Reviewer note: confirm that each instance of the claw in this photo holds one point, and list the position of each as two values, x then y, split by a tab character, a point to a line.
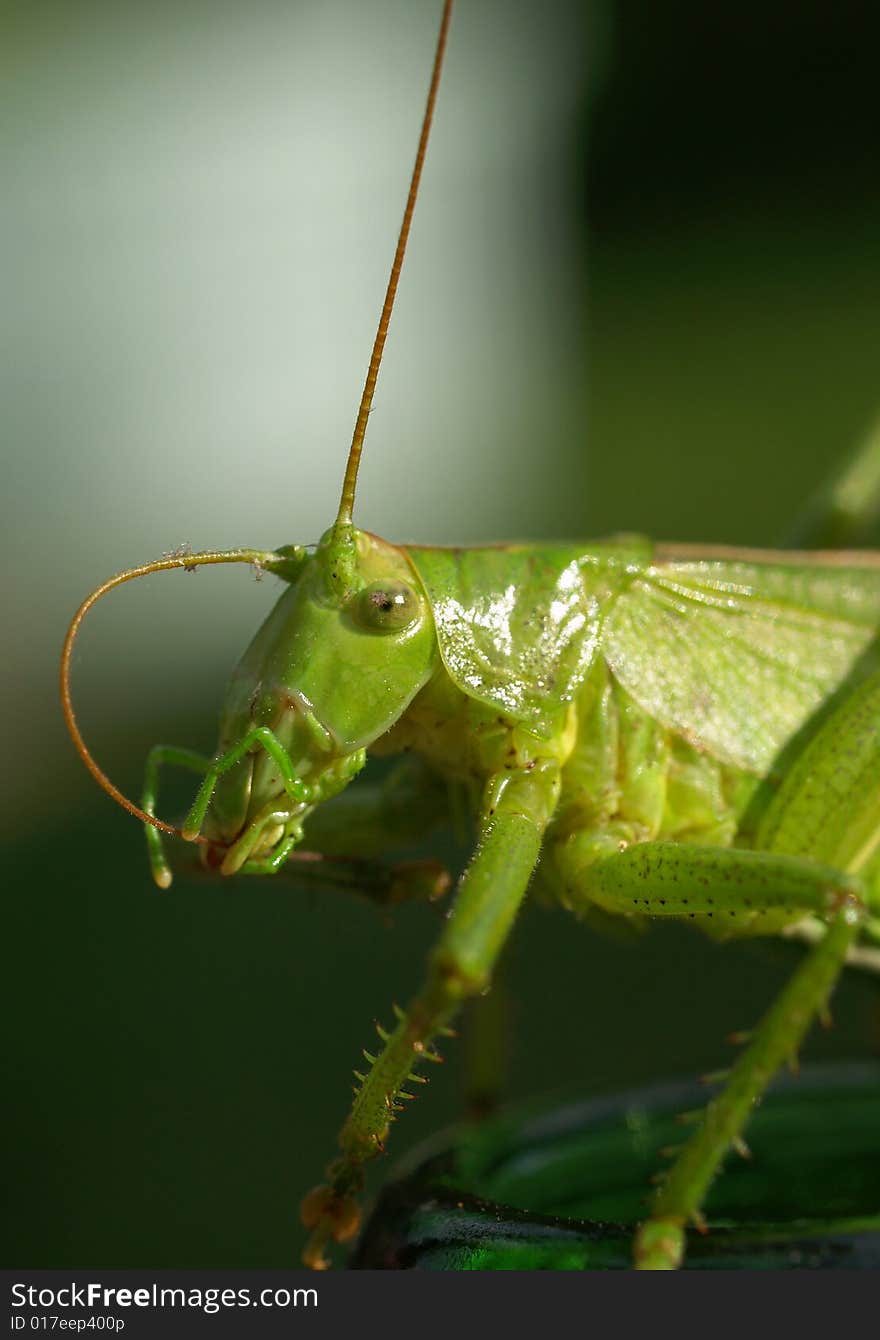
329	1215
659	1245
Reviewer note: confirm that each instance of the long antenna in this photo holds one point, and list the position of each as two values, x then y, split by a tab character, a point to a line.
346	502
258	558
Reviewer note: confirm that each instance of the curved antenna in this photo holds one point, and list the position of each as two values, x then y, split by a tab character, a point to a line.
260	558
346	503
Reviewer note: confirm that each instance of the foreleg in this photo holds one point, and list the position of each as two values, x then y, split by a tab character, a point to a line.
158	756
489	895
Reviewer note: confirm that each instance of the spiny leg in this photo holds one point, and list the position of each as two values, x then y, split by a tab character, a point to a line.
159	755
726	889
460	966
818	856
660	1241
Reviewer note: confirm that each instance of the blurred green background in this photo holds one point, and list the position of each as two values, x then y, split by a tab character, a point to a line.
642	293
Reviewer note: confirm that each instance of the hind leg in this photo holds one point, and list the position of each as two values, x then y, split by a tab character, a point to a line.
819	840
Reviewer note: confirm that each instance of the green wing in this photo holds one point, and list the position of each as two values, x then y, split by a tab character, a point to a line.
736	655
518	626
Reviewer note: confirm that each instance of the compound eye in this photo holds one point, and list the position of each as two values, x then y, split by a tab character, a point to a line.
386	607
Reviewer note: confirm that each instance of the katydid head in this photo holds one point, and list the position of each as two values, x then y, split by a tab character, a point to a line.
335	665
337	662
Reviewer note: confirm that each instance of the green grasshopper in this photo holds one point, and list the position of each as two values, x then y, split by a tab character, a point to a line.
641	730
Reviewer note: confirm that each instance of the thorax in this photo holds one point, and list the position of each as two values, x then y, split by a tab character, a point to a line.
470	741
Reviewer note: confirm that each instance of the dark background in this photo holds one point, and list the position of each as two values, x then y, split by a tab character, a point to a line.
680	297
